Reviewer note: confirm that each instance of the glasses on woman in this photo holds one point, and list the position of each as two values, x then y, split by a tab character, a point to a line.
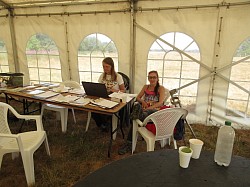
152	77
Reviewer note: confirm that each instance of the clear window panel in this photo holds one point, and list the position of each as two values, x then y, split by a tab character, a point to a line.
248	111
44	75
156	54
236	93
56	75
85	76
182	41
172	69
84	63
5	69
171	83
92	50
195	55
155	65
236	72
110	49
236	108
97	54
33	74
55	62
42	54
190	90
4	59
32	61
95	77
173	55
190	70
97	64
43	61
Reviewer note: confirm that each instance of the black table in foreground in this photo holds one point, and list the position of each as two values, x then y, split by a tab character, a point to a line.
161	168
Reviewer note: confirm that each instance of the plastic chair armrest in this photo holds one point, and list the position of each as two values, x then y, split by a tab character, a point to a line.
8	135
139	122
38	119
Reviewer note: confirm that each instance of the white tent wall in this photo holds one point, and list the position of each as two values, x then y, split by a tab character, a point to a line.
235	29
196	24
112	24
115	25
53	27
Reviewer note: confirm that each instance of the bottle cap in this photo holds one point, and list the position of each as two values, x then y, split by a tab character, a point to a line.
228	123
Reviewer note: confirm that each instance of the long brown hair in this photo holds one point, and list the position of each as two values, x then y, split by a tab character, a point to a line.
157	84
109	61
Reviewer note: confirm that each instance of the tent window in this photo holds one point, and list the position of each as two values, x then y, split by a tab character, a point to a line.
91	52
174	68
238	99
43	60
4	65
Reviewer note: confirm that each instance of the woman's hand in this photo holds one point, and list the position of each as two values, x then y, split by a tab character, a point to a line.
144	105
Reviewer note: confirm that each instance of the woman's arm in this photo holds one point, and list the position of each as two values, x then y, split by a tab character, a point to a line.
161	99
121	89
139	97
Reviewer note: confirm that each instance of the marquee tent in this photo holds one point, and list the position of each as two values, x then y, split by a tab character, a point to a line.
201	48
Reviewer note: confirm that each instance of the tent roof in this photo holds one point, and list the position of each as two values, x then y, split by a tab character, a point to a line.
32	3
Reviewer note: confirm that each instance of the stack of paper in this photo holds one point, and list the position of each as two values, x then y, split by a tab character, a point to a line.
46	95
104	103
82	101
66	99
77	91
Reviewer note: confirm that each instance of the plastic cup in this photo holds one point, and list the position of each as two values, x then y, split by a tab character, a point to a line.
196	146
184	156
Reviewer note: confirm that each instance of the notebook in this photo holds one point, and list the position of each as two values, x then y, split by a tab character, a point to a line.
95	89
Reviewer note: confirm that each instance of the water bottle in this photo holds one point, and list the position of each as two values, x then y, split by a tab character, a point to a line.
224	145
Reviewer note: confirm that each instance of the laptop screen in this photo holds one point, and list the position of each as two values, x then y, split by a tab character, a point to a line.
95	89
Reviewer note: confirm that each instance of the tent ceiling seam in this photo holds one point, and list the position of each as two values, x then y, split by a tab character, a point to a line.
227	5
74	13
35	4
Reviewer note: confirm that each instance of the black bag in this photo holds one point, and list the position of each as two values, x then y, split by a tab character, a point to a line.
179	130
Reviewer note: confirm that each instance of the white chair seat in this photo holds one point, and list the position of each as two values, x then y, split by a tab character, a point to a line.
30	140
164	121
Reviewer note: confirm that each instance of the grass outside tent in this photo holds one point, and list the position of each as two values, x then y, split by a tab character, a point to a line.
75	154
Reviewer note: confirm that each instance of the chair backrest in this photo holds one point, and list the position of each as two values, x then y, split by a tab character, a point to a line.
126	80
4	126
167	95
72	84
165	121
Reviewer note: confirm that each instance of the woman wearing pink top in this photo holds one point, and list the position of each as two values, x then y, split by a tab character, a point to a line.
150	99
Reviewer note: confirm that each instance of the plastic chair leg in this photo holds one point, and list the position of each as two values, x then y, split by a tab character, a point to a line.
175	144
150	145
73	113
28	164
1	159
64	119
14	155
47	145
88	121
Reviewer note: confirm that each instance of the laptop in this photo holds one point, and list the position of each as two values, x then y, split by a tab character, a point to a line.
95	89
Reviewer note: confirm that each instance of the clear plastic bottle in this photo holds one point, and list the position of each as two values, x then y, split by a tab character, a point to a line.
224	145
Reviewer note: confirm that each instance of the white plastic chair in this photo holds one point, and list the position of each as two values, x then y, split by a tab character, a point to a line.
60	109
167	95
26	143
165	121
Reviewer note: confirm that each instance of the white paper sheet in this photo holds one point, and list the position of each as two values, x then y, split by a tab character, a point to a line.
104	103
